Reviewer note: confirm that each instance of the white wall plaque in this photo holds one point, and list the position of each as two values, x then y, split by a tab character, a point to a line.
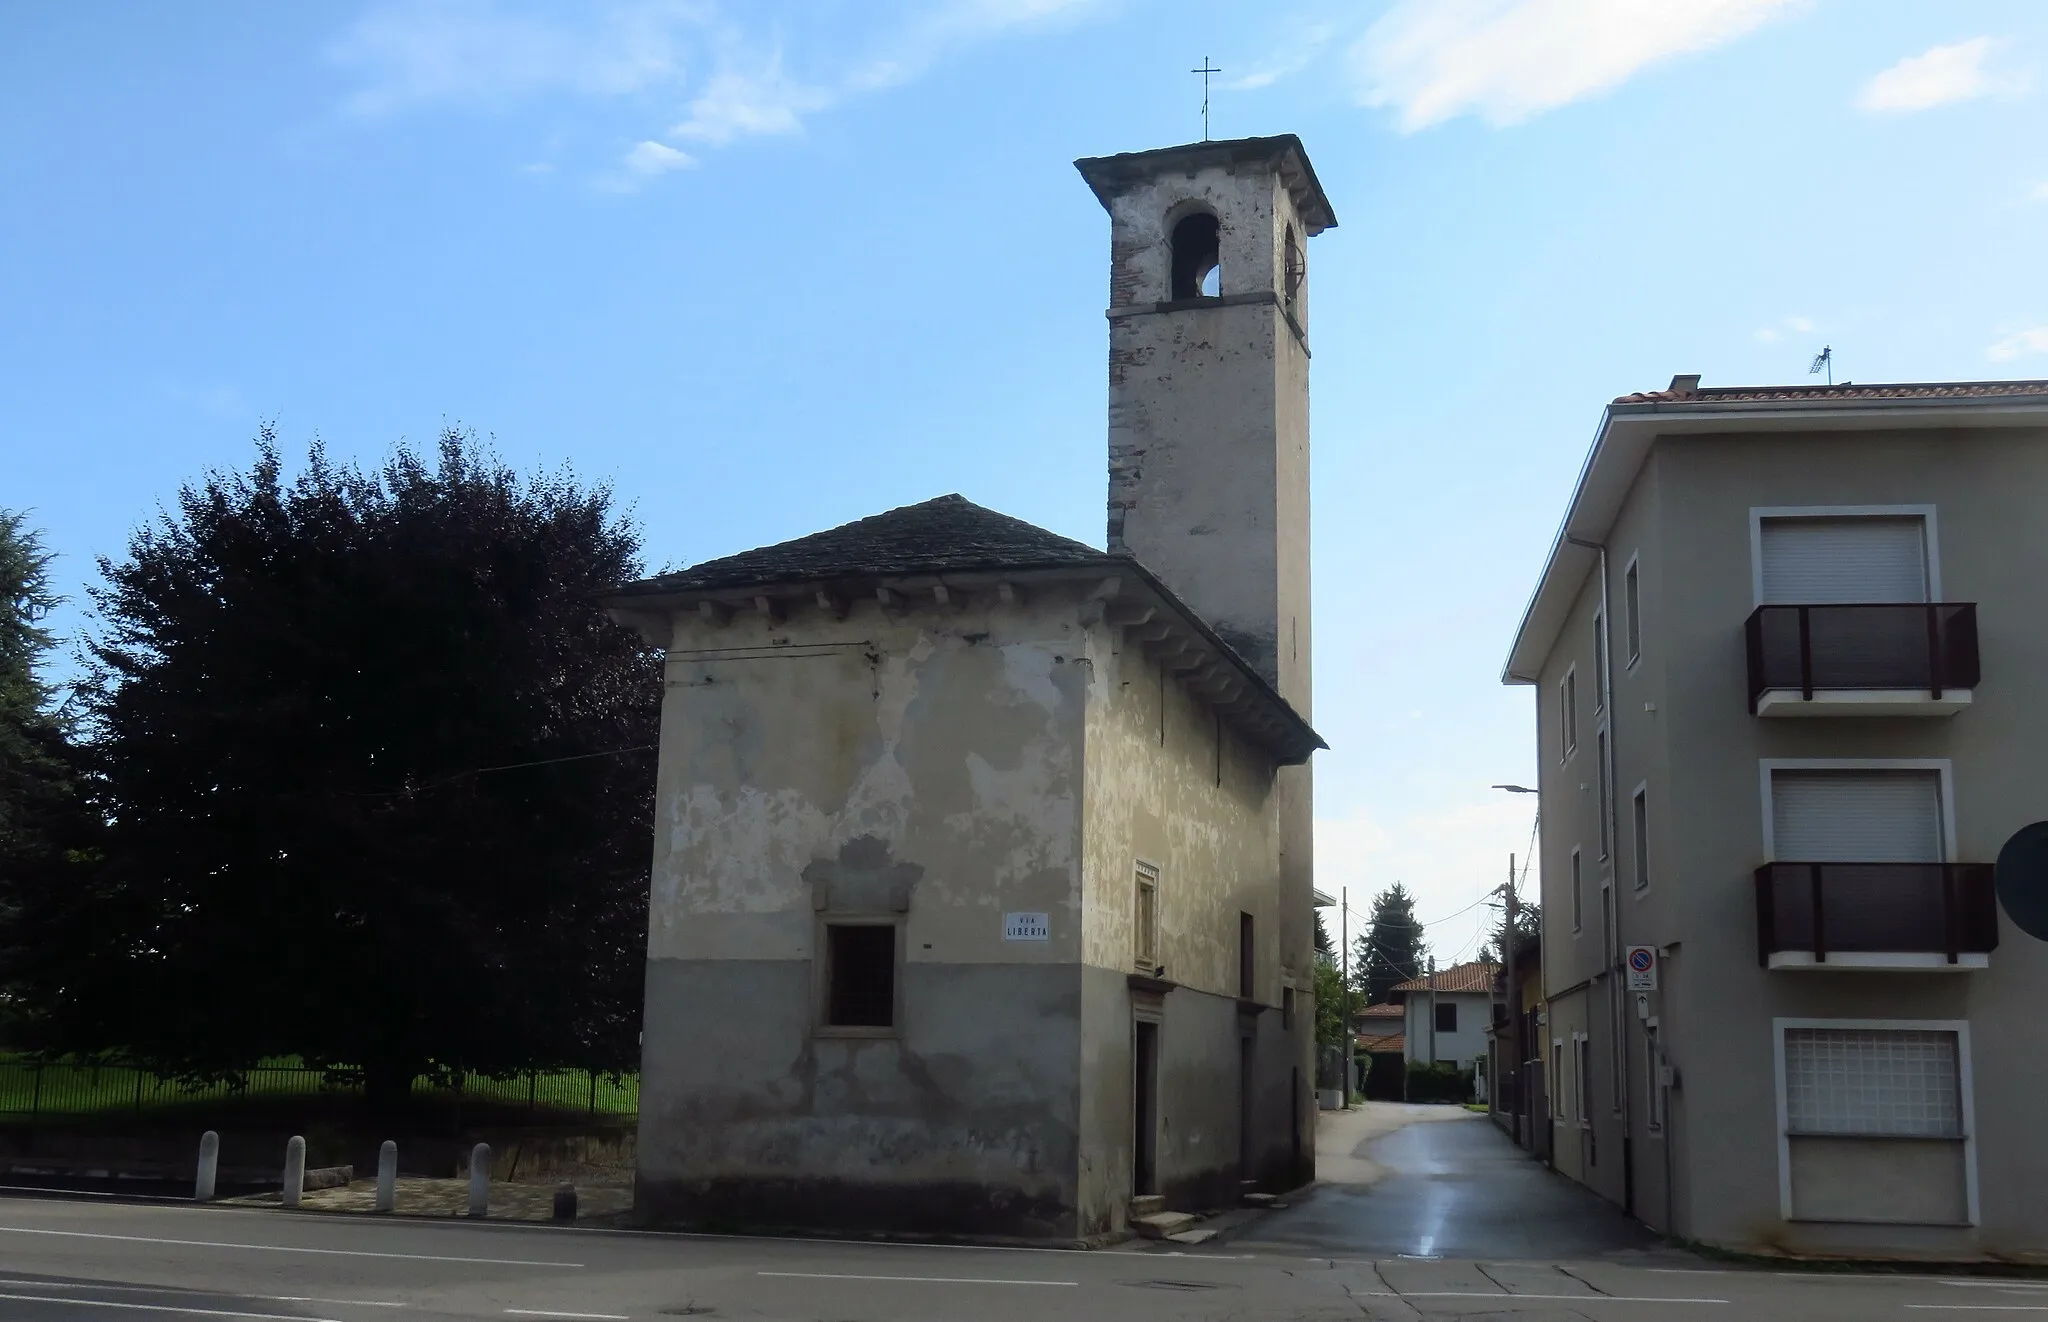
1026	927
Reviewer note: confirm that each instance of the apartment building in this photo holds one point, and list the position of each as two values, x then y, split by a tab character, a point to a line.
1788	653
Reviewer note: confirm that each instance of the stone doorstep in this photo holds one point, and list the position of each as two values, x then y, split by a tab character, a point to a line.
1250	1199
1162	1225
1145	1204
1193	1236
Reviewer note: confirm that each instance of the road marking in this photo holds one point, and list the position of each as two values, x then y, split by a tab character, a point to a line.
1985	1308
159	1308
288	1248
1992	1283
927	1280
585	1317
219	1294
1581	1298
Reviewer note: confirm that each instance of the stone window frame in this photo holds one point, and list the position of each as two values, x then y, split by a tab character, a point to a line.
1145	952
821	976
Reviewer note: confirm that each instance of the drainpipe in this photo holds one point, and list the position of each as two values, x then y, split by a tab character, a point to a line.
1611	840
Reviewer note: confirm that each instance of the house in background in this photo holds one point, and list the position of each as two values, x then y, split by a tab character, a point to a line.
1786	651
1382	1050
1447	1015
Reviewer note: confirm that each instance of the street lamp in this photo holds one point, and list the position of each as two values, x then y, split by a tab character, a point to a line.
1515	789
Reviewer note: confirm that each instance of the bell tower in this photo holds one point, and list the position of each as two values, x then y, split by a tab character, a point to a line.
1208	383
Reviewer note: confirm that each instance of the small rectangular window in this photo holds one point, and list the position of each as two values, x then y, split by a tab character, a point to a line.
1578	893
1653	1084
1246	958
1447	1017
1632	601
1287	1009
860	977
1584	1093
1145	912
1568	713
1558	1081
1606	807
1642	838
1599	661
1885	1083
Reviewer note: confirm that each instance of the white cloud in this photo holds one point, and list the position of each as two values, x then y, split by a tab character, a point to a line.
1505	60
652	158
1935	77
737	104
1309	44
2034	339
1778	330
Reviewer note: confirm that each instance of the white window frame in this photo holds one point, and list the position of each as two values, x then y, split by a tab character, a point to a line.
1638	831
1653	1092
1568	713
1939	765
1603	781
1632	609
1557	1081
1601	662
1960	1027
1582	1078
1578	880
1929	535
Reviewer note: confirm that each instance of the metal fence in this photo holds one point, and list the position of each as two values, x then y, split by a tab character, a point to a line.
29	1089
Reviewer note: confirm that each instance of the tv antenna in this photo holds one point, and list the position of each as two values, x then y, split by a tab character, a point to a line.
1824	359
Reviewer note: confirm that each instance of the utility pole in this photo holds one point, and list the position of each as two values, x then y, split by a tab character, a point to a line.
1432	1009
1508	945
1344	929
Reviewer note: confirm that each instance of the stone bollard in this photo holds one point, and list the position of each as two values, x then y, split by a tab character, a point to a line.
294	1171
387	1176
565	1201
480	1179
209	1167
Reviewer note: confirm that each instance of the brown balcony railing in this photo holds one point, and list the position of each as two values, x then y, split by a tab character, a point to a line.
1904	908
1930	646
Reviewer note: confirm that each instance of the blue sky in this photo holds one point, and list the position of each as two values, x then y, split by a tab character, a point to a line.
769	267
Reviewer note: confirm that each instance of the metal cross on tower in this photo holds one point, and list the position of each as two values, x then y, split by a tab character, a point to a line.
1205	71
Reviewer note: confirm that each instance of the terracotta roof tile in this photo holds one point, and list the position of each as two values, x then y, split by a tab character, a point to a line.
1847	392
1385	1009
1476	976
1383	1042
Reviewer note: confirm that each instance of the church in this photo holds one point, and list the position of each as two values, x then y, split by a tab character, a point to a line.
982	871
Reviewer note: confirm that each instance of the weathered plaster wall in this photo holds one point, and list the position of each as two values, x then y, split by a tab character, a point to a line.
1161	789
931	759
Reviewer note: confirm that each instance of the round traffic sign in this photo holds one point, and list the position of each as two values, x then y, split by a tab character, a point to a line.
1640	960
2022	880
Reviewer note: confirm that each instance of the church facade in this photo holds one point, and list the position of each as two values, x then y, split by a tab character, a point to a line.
981	881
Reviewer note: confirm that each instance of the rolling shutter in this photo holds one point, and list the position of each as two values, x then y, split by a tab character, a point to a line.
1856	816
1814	562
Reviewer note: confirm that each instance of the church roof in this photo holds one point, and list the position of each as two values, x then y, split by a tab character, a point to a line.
1283	153
947	534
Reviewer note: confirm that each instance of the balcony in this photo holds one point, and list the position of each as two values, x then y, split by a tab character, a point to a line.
1937	917
1910	659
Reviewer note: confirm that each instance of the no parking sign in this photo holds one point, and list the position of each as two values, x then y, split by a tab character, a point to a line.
1642	968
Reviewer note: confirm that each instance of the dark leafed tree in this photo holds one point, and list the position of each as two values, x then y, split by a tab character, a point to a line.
46	826
1528	930
1324	946
1391	950
378	777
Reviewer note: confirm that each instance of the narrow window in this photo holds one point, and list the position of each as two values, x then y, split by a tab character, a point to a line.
1606	816
1599	661
1146	937
1568	713
1293	268
1632	602
1245	957
1642	837
1447	1017
860	975
1558	1081
1197	257
1287	1009
1578	893
1583	1046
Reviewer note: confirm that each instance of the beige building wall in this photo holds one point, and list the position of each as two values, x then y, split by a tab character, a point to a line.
1684	730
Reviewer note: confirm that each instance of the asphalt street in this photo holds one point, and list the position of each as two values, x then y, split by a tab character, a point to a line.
70	1260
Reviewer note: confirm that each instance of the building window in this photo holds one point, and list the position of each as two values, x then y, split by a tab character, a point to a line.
1642	837
1606	817
1825	561
1146	934
1599	661
1247	959
1568	713
1447	1017
1884	1083
860	975
1197	257
1861	815
1557	1078
1294	269
1287	1009
1582	1096
1632	604
1578	893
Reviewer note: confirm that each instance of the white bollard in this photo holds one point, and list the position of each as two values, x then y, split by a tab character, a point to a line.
294	1171
387	1176
209	1167
480	1179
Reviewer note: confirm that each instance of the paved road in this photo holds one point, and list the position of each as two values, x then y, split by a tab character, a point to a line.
64	1260
1455	1189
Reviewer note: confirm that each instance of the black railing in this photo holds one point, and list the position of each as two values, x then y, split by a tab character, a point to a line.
1826	909
1930	646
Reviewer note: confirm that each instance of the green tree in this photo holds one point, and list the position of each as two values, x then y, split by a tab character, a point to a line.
1329	1002
378	773
1391	950
1324	946
1528	931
